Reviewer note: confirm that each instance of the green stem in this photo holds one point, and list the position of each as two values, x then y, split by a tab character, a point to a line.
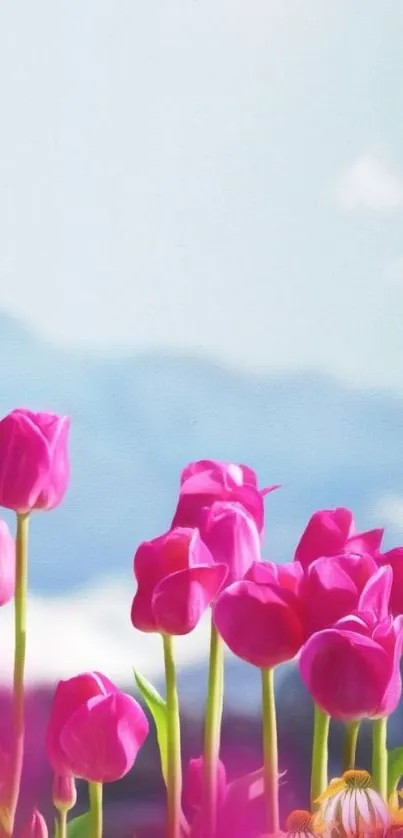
212	733
62	824
350	745
380	756
20	631
95	793
270	750
319	781
174	784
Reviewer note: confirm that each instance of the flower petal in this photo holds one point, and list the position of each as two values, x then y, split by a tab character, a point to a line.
181	599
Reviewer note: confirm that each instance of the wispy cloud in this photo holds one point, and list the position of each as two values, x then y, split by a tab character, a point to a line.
389	511
370	183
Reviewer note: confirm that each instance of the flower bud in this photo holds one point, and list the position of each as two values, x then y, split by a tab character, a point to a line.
64	793
36	826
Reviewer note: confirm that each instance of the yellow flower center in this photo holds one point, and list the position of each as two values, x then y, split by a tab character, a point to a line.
299	821
355	779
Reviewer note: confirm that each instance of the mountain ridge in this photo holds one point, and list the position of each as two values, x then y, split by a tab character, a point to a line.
136	421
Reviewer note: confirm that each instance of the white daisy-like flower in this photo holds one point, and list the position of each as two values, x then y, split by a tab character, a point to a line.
352	808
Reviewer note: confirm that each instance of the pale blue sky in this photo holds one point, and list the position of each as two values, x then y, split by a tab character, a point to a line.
216	176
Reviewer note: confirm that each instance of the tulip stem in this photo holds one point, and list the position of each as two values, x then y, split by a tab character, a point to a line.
319	781
174	784
270	751
380	756
212	733
62	824
95	793
20	631
350	745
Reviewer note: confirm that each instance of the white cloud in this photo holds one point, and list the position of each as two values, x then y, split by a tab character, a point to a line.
389	511
369	183
90	630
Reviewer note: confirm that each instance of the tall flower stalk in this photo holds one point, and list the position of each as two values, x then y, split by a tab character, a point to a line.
270	750
174	784
350	745
319	779
380	756
212	734
20	632
96	819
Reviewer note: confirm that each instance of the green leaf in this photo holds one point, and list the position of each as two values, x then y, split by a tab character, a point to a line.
158	709
395	768
79	827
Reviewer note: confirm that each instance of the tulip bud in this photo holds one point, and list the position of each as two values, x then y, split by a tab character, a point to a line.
64	794
36	826
34	460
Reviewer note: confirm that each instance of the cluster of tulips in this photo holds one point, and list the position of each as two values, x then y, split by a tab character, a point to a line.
337	608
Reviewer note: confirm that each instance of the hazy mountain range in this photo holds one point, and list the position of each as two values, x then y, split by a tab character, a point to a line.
137	420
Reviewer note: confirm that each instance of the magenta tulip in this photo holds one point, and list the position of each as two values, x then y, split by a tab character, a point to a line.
331	588
194	783
231	535
34	462
261	622
7	564
36	826
394	558
95	731
353	669
330	532
177	579
206	481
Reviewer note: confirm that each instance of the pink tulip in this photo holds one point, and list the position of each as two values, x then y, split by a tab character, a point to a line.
330	532
394	558
34	463
7	564
261	622
95	731
353	669
231	535
207	481
64	792
177	580
36	826
194	783
331	588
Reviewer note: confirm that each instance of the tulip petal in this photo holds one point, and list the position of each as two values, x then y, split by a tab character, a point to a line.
231	536
102	738
365	542
375	597
289	575
24	462
325	535
207	481
345	672
180	600
328	592
394	558
259	623
56	431
69	696
359	568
